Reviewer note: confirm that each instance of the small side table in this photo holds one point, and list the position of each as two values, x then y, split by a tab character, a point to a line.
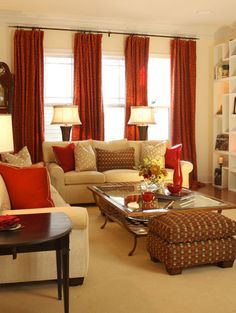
42	232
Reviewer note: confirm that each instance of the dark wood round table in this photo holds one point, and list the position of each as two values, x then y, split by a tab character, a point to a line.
42	232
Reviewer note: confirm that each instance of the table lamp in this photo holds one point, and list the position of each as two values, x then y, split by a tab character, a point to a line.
6	134
67	115
142	116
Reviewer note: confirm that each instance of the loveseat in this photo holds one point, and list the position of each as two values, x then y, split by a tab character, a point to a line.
72	185
39	266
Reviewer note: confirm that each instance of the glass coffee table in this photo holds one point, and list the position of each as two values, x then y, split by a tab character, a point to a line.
122	203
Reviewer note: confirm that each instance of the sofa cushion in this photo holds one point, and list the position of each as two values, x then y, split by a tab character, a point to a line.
85	159
65	157
108	160
27	187
110	145
5	203
122	175
78	215
153	150
86	177
172	156
21	159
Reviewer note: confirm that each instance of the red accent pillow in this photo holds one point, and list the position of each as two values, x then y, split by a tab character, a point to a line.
65	157
172	155
27	187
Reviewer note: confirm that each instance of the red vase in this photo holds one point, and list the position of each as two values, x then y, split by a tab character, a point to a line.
177	176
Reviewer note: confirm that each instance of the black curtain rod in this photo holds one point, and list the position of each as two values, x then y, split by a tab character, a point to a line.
103	32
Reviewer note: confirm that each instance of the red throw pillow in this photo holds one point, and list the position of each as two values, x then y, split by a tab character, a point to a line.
27	187
172	155
65	157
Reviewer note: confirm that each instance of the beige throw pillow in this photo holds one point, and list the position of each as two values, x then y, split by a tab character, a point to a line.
21	159
85	159
154	151
111	145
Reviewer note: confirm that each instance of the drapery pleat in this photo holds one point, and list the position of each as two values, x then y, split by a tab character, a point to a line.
28	105
136	74
183	98
88	86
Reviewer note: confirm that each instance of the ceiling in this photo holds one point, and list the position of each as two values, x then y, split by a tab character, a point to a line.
190	18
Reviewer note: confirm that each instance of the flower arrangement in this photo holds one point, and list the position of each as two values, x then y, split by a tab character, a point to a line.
151	171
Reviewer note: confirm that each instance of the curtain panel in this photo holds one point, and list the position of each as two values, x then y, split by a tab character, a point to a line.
28	104
183	100
88	86
136	74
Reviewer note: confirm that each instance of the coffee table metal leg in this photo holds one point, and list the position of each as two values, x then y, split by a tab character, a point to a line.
58	256
65	266
104	224
134	247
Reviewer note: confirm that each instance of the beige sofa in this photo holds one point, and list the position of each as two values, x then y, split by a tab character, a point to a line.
73	185
39	266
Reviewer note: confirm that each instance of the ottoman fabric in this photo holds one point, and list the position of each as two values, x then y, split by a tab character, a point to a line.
184	255
181	227
185	239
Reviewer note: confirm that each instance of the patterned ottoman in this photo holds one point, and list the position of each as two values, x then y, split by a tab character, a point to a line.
185	239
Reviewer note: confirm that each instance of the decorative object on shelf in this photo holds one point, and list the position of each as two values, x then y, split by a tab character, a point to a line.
142	116
218	172
225	70
6	88
66	115
6	135
222	142
219	111
234	110
152	172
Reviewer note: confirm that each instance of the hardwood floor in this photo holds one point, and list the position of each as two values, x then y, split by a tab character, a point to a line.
219	193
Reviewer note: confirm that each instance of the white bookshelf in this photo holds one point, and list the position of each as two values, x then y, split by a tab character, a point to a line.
224	114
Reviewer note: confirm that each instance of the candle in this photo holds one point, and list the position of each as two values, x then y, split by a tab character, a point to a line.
221	160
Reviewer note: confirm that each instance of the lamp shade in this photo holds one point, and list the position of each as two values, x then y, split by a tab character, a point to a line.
66	115
6	134
142	115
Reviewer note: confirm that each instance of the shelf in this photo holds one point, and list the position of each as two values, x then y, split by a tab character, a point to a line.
224	102
223	152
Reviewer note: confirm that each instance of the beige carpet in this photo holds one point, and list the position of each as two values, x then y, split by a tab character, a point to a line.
118	283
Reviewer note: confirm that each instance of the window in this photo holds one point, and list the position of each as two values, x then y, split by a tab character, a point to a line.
58	89
159	96
113	82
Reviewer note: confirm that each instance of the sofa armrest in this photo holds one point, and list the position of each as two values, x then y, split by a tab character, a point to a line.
78	215
186	166
57	177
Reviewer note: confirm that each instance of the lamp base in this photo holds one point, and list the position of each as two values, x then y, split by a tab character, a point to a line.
65	131
142	132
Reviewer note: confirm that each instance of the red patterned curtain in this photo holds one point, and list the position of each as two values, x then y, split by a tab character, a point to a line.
183	96
28	105
88	86
136	72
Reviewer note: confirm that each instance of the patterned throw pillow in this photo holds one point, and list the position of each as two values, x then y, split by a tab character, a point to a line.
85	159
20	159
108	160
154	151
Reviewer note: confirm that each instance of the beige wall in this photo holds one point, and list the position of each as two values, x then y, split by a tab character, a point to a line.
115	44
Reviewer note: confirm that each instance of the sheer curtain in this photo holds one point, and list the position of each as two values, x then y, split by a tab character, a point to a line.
136	70
28	106
88	86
